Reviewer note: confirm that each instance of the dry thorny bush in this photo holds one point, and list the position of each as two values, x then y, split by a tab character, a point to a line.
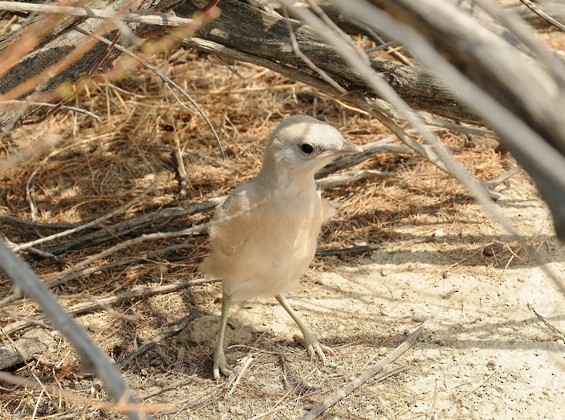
97	167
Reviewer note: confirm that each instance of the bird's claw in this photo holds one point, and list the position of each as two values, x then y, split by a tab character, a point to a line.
314	347
221	365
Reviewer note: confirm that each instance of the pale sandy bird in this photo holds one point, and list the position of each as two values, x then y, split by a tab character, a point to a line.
266	231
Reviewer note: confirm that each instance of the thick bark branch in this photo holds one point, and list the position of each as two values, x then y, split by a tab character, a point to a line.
257	35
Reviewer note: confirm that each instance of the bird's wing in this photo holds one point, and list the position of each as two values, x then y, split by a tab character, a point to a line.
234	221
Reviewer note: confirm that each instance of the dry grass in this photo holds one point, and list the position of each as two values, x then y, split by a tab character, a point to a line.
98	167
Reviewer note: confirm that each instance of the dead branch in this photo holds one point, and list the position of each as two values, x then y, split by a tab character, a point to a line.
348	178
96	303
25	348
135	226
90	354
159	19
176	328
369	150
240	32
95	223
86	402
552	21
104	233
553	328
317	410
354	250
24	104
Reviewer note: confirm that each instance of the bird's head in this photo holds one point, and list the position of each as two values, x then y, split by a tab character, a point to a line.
303	145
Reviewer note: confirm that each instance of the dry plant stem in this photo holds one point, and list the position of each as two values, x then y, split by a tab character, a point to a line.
44	254
238	373
62	394
95	222
554	329
317	410
90	354
135	224
23	223
327	78
29	189
530	5
24	104
95	303
500	179
181	172
159	19
369	150
354	250
170	332
23	349
169	82
329	12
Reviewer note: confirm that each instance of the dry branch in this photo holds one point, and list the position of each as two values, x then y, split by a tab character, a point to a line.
90	354
95	223
317	410
160	19
95	303
176	328
25	348
100	233
348	178
539	12
523	99
240	33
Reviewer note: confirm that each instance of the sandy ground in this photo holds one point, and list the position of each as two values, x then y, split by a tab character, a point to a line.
484	354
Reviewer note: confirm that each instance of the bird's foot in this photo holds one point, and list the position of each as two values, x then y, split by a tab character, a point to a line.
221	365
314	347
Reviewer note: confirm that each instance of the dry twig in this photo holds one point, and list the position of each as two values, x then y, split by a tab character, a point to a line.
95	303
176	328
534	8
90	354
553	328
93	223
160	19
317	410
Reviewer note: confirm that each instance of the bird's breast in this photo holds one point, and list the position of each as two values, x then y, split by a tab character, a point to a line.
275	244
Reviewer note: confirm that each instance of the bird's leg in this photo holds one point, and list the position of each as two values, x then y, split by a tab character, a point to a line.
220	363
308	340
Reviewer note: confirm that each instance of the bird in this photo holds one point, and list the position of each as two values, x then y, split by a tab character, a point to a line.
264	235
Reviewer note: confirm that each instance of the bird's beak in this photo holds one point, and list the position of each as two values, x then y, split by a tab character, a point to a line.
345	149
348	149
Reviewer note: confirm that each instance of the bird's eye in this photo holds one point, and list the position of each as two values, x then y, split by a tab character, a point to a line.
306	148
